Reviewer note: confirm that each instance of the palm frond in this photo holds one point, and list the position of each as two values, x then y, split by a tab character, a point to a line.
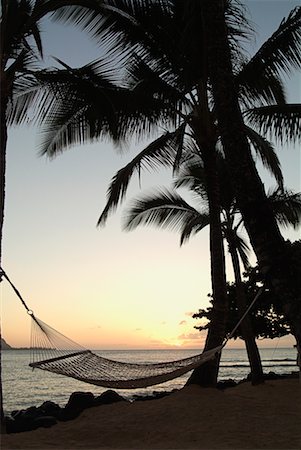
180	148
240	28
37	37
28	98
83	104
192	176
159	153
19	65
243	251
164	209
286	206
257	88
155	75
265	150
52	86
123	21
77	106
194	225
282	122
280	53
236	243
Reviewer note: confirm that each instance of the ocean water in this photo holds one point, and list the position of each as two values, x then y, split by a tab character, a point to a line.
24	387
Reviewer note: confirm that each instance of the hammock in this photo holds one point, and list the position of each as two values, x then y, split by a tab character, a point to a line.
54	352
58	354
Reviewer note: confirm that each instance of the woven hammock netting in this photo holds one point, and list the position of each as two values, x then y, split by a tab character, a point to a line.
56	353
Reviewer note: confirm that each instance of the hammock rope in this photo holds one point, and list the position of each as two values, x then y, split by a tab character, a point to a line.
56	353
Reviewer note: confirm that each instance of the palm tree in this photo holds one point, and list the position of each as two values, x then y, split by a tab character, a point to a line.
150	100
200	124
16	56
166	209
20	51
168	85
281	53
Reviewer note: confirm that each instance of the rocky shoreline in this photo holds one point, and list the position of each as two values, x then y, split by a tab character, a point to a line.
49	413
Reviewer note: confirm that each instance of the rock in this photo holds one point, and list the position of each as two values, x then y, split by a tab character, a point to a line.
226	384
10	425
17	413
153	396
20	425
80	400
272	376
109	397
32	418
44	421
50	409
28	414
69	414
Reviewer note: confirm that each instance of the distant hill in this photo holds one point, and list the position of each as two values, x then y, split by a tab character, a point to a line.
4	345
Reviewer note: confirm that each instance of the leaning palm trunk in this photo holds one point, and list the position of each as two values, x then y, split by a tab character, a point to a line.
268	244
246	326
206	375
3	141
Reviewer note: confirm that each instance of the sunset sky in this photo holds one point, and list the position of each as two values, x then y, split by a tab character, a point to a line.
103	287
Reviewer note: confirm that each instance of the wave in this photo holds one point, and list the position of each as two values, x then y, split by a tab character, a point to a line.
276	359
233	366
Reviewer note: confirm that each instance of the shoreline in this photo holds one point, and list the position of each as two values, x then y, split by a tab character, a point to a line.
244	417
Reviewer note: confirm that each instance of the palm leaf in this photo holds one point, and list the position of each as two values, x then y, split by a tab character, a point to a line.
194	225
37	37
124	21
243	251
164	209
280	53
192	176
286	206
77	106
160	152
282	122
89	102
157	76
180	145
259	88
265	150
239	27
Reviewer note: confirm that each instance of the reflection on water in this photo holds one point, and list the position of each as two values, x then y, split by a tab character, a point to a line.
23	387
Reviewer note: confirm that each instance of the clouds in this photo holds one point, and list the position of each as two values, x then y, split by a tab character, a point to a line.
189	336
192	340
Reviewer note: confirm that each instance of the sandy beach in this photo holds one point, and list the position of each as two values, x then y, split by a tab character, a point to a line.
267	416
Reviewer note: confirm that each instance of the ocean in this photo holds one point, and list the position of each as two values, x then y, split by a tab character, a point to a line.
24	387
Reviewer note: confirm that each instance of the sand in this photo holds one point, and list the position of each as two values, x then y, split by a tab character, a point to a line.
267	416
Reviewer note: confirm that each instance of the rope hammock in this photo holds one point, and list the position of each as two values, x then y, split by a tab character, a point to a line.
54	352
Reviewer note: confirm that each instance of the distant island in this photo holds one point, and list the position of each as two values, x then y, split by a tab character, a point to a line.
5	345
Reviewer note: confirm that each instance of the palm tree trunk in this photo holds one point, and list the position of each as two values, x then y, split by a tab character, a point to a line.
246	326
206	375
3	142
267	242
